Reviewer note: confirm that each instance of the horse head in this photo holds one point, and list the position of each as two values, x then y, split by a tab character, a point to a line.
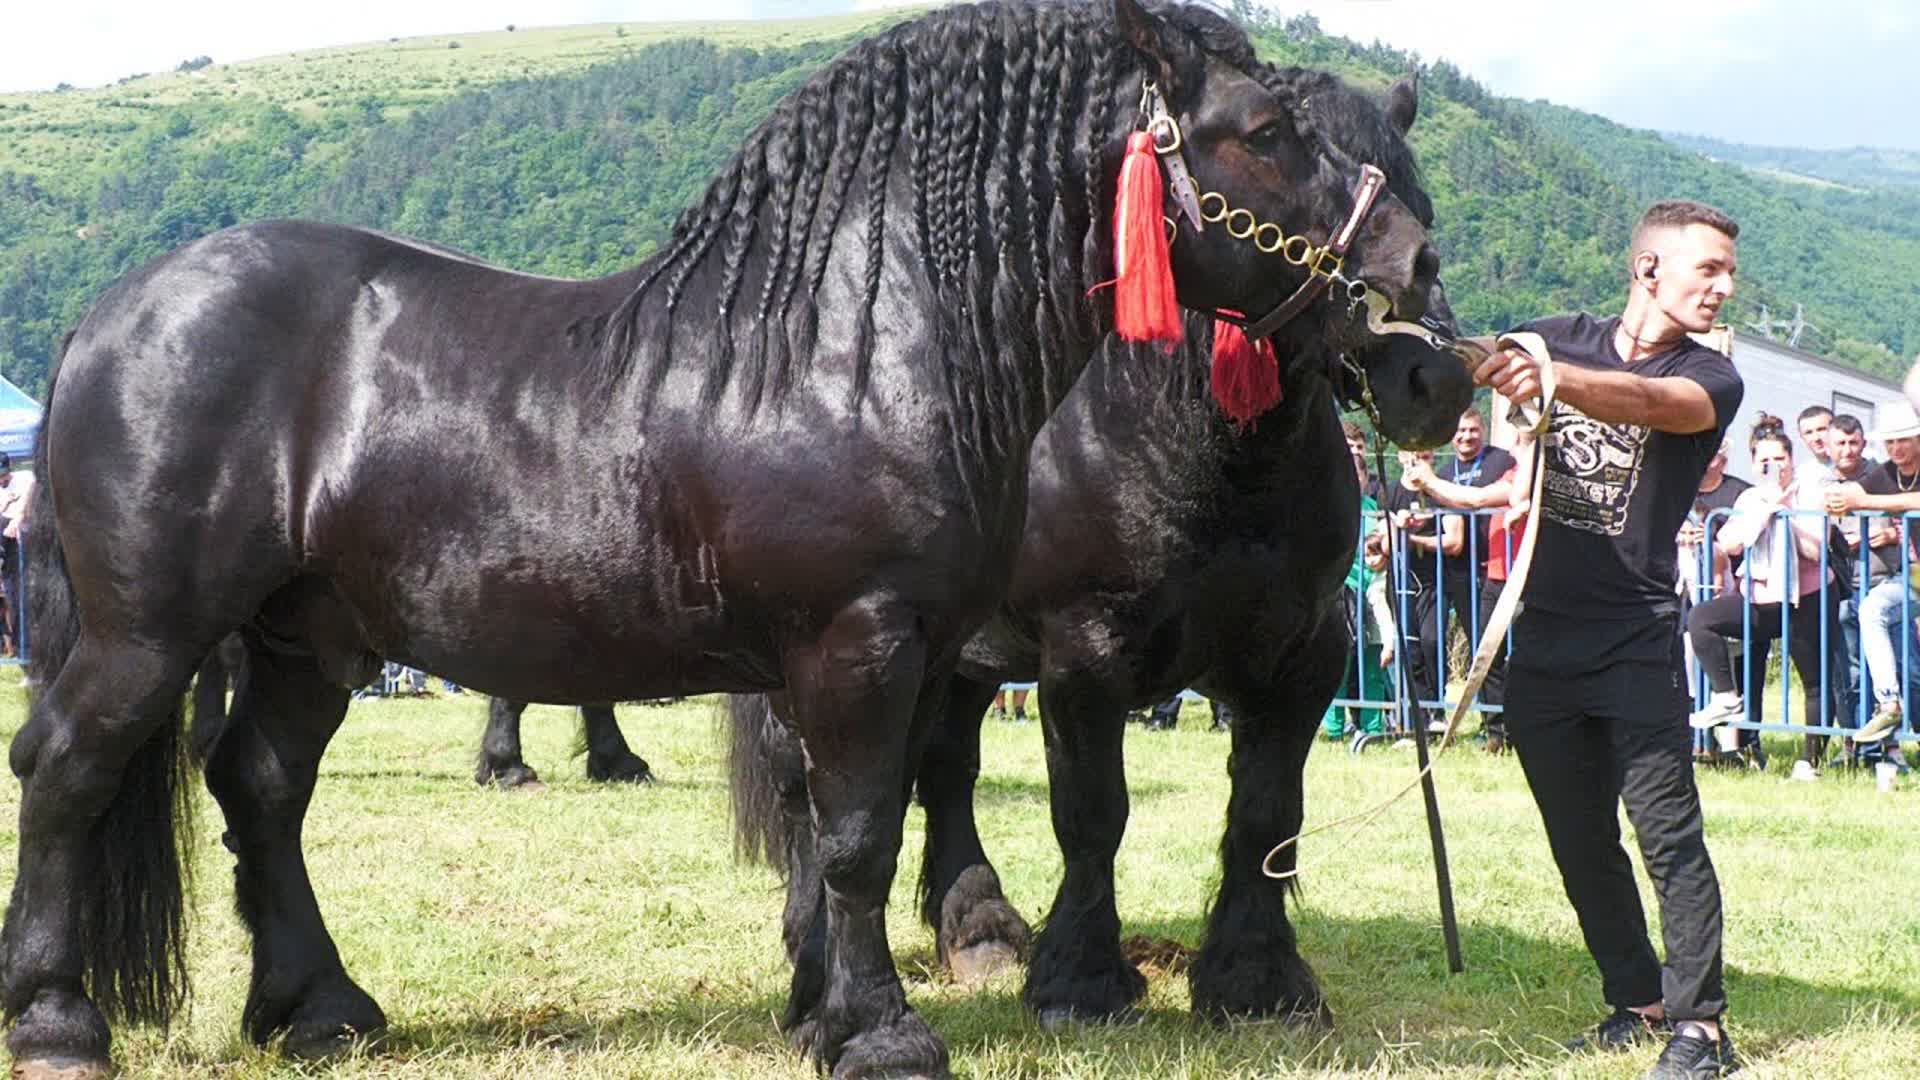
1289	166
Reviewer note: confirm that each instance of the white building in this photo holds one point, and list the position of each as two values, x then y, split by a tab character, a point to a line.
1782	380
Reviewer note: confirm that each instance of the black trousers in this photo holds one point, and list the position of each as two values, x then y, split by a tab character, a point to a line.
1709	625
1426	653
1588	743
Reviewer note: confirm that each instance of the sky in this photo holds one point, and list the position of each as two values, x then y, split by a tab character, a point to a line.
1814	73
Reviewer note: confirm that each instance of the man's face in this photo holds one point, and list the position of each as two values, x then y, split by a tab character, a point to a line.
1848	449
1694	276
1469	437
1813	432
1904	453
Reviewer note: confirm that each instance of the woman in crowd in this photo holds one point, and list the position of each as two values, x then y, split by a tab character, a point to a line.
1781	577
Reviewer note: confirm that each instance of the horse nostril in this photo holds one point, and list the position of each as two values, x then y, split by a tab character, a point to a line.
1417	387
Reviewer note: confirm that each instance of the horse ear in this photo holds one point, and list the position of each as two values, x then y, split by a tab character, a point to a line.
1403	103
1146	32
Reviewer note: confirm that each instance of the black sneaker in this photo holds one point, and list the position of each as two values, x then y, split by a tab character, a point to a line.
1624	1029
1690	1055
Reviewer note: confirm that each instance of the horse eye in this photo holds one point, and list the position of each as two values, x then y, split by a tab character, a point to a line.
1272	135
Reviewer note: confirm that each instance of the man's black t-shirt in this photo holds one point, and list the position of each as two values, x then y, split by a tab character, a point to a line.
1419	560
1720	498
1483	471
1614	497
1885	479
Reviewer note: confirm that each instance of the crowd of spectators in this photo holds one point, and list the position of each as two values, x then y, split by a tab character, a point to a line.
1813	551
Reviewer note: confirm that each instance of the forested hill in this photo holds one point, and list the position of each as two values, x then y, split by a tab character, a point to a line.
1859	167
574	158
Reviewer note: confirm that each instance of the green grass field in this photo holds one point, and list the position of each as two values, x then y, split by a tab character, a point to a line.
591	932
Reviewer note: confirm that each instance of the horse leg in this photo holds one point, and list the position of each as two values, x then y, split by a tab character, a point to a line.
500	761
1250	963
978	932
1078	970
262	772
609	758
855	696
98	902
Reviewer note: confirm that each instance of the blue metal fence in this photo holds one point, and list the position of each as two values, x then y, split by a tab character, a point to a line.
1404	588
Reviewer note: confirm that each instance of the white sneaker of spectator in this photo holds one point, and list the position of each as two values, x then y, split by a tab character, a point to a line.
1885	718
1804	772
1723	706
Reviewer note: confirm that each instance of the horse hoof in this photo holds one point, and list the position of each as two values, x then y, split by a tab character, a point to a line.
512	778
1058	1017
628	770
322	1044
60	1069
978	963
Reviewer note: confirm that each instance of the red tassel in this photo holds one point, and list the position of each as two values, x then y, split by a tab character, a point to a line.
1246	375
1144	308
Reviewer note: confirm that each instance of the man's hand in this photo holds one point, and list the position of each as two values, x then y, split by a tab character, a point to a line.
1842	498
1416	475
1691	534
1884	535
1512	373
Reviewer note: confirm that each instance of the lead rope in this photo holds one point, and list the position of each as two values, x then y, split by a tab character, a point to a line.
1529	417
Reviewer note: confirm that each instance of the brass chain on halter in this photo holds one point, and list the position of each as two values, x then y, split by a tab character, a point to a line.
1242	224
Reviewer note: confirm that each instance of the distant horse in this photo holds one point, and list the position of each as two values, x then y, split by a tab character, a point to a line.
1163	549
609	758
788	452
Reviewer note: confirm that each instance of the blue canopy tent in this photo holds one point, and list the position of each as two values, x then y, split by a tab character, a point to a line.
19	422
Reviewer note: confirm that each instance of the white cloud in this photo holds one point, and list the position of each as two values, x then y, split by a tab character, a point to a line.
1779	71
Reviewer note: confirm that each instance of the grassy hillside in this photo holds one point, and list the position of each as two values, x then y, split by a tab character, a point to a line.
63	138
569	151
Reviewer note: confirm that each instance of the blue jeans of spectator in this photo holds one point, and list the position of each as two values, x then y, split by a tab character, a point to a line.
1881	614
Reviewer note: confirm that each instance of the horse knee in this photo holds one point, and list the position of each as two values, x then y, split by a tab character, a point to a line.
857	852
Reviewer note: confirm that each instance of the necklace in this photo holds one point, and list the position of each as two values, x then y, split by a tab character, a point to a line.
1900	481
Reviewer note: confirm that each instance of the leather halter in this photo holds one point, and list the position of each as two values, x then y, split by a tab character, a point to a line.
1322	269
1322	264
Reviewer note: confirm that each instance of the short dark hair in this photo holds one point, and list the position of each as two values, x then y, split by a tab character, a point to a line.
1812	411
1353	431
1474	411
1679	213
1850	424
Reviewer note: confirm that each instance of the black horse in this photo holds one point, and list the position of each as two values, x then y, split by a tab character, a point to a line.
788	452
609	758
1163	549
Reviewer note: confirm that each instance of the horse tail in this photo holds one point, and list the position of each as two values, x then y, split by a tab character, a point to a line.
53	623
765	771
132	911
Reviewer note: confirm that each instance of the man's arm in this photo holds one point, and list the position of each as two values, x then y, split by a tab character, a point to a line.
1466	496
1673	404
1842	498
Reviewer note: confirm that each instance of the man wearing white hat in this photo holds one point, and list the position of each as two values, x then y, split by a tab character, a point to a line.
1892	488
